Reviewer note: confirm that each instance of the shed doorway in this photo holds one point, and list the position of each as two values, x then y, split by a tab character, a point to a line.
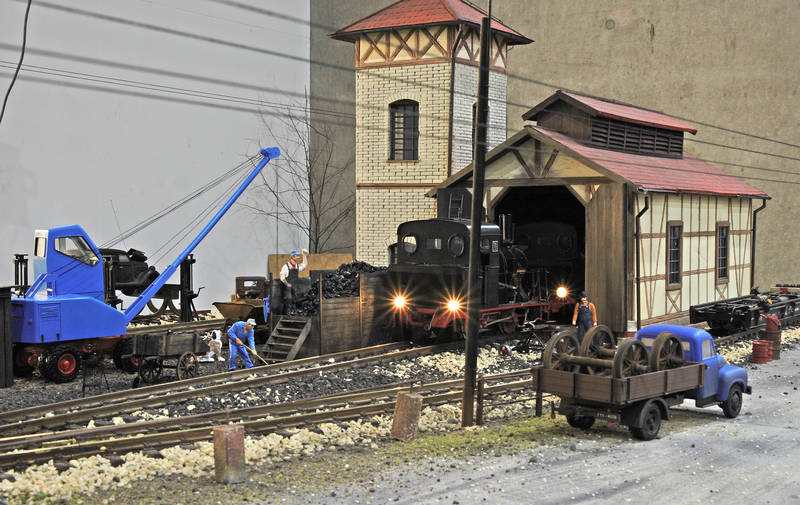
550	225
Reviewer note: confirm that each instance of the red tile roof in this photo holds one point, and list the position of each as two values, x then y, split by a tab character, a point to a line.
613	110
426	12
687	175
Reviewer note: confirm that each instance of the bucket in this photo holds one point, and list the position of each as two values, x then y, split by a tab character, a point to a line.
762	351
774	336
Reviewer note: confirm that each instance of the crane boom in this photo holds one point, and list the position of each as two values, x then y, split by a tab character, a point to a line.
137	306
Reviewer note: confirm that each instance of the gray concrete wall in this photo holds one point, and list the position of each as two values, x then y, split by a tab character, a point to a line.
70	145
730	64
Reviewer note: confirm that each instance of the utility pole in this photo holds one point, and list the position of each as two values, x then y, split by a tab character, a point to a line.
474	279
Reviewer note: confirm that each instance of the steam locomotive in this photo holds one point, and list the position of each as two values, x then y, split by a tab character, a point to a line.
528	277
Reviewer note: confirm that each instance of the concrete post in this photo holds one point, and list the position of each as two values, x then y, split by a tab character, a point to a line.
407	410
229	454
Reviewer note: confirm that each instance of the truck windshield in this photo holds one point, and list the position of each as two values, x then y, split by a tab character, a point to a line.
76	247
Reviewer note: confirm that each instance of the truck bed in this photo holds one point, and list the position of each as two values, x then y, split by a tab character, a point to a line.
604	390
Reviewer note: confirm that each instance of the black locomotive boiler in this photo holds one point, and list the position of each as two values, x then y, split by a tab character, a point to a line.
523	279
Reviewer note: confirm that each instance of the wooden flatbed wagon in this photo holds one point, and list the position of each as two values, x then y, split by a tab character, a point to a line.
629	401
153	350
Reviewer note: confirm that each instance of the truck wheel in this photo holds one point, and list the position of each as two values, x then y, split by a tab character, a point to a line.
651	423
61	364
733	405
580	422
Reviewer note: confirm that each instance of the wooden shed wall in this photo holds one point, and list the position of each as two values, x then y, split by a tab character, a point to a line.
605	269
699	216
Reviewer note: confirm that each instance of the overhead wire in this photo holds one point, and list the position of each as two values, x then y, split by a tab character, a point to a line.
333	29
177	204
19	63
195	93
386	129
278	54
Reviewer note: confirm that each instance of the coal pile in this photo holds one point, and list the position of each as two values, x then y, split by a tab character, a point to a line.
340	283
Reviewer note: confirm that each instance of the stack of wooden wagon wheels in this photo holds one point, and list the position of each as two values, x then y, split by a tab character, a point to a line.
599	353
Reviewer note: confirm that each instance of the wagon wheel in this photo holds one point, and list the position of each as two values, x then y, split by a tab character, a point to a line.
157	311
187	366
666	353
630	359
597	338
150	370
560	346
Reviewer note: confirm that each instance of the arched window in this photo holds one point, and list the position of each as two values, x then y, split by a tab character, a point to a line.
404	130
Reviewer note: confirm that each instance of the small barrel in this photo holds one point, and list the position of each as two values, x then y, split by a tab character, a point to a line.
762	351
773	336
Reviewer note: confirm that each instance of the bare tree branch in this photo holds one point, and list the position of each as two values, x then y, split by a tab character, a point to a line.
307	191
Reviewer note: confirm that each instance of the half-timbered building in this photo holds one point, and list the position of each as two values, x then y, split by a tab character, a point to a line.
416	66
660	229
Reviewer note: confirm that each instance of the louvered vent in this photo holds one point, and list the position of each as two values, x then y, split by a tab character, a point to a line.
631	138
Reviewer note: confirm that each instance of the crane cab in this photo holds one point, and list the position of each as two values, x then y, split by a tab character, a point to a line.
66	300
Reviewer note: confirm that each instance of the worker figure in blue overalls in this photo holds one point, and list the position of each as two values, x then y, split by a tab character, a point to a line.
289	274
585	315
239	333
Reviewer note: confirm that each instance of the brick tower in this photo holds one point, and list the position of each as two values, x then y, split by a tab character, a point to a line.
416	82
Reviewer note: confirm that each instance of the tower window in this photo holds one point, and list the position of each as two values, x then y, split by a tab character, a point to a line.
404	130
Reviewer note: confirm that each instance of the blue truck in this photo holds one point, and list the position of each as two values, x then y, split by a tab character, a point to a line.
63	316
634	384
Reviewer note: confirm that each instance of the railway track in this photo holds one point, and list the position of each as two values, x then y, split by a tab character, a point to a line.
24	450
753	333
59	415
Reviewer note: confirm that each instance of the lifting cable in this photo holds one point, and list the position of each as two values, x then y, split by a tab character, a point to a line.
176	205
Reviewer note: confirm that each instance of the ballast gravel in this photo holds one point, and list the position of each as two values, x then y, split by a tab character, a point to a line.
86	475
58	483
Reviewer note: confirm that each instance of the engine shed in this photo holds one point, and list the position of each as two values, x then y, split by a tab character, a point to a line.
658	230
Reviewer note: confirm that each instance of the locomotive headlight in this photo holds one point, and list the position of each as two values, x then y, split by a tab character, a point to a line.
453	305
561	292
399	302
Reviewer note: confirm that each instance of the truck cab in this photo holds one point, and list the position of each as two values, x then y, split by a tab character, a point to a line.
724	383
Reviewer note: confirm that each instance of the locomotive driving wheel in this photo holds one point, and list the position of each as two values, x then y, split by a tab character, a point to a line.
187	366
599	343
666	352
558	349
630	359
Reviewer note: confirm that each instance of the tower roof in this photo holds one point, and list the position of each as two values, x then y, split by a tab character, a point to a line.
407	13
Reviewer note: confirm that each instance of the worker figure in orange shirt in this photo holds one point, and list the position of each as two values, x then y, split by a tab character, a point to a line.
585	315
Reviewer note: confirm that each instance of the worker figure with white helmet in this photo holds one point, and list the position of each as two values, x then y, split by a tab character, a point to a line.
239	333
289	274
